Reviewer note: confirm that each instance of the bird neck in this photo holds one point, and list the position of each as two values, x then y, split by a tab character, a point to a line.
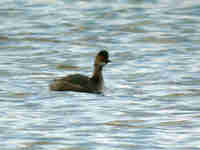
97	74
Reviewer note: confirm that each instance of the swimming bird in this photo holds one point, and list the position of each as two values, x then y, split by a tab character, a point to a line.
82	83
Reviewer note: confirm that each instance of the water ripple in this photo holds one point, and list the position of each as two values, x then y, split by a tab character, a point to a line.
151	98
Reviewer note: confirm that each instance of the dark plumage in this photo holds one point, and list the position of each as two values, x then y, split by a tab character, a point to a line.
81	83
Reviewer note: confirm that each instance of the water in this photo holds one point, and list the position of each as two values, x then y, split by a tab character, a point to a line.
151	100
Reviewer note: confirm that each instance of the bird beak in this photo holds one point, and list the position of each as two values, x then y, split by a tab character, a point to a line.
108	61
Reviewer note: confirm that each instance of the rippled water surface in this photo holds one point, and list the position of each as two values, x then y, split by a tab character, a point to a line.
152	94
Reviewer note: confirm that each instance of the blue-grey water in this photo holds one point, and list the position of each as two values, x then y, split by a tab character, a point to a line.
152	87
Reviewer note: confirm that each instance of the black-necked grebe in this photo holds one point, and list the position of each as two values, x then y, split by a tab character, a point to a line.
81	83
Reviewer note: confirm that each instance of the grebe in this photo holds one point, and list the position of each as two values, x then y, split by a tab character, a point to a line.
82	83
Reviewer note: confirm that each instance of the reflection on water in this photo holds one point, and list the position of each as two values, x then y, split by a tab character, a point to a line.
151	99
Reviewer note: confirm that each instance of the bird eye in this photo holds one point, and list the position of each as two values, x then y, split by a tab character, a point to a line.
102	57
